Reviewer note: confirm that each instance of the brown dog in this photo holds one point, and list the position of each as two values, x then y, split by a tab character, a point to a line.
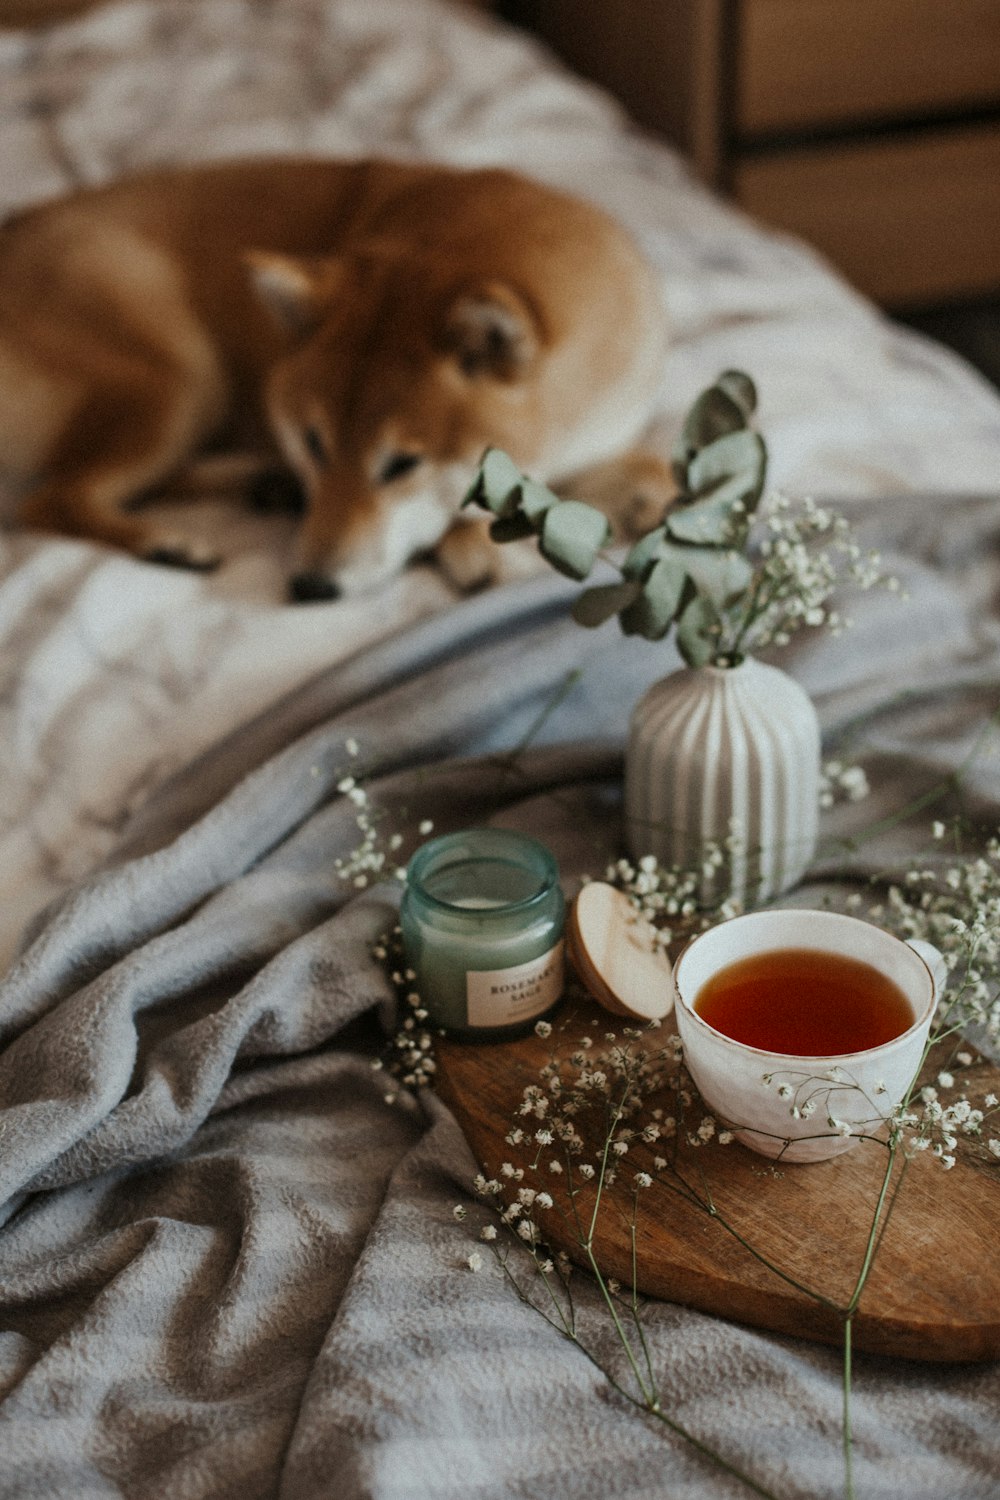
383	322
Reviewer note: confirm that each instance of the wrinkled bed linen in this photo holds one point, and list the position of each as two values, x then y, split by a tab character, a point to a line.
230	1267
113	674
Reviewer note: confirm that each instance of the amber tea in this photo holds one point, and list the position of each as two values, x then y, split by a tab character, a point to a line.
804	1002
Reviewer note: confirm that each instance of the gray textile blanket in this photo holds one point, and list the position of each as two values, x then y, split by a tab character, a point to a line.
229	1268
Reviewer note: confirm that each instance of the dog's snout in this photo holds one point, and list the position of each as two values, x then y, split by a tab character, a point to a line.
305	588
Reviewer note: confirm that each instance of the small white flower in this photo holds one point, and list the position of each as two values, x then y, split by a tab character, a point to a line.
945	1080
488	1232
475	1261
543	1028
425	827
459	1212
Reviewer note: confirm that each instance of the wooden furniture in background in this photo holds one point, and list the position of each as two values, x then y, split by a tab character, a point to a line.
869	127
16	14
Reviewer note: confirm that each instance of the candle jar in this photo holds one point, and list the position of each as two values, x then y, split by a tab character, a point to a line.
482	920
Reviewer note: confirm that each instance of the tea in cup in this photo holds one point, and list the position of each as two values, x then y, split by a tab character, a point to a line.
803	1029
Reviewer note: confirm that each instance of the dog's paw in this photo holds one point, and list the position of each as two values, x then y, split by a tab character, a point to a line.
171	552
471	559
634	491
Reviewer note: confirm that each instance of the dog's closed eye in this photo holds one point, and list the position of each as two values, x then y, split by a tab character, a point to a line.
398	464
315	446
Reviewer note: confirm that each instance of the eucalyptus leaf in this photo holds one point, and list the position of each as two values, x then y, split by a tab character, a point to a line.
655	609
536	499
644	554
735	455
720	575
697	640
713	522
572	535
712	416
738	385
497	486
710	522
596	605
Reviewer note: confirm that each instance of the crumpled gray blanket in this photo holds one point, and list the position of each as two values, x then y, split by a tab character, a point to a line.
229	1267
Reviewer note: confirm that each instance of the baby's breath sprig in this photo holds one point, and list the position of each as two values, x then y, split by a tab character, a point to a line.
954	903
409	1056
802	554
678	900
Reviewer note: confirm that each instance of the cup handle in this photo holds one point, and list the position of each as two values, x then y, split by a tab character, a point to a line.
934	959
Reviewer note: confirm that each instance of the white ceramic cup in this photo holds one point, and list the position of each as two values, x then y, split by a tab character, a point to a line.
858	1090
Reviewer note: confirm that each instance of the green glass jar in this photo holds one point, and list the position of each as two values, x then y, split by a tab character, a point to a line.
482	920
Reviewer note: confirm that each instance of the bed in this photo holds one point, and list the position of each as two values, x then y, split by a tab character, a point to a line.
228	1266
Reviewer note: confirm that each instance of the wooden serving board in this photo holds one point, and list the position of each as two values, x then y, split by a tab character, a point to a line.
933	1292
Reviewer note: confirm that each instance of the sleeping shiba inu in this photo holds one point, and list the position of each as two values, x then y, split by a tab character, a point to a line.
375	324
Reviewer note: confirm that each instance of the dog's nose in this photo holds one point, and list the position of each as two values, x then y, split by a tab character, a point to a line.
306	587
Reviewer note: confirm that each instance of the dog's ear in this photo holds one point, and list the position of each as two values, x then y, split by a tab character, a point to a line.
491	331
294	289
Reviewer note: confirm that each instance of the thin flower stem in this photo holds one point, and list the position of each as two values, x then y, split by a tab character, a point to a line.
635	1303
555	698
950	783
567	1323
848	1436
601	1175
654	1409
709	1207
872	1241
648	1395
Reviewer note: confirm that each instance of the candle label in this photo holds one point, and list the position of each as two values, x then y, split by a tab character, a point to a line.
502	997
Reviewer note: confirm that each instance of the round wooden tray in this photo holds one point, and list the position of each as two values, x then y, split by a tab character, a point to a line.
933	1292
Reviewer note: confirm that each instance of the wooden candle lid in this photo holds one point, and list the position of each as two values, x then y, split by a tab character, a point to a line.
613	950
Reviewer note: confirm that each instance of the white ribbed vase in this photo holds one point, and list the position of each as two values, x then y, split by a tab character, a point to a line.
715	749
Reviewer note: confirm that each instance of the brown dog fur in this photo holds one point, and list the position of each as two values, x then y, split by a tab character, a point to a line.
381	322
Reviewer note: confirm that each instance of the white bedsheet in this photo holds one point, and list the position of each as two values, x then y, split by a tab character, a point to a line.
115	673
